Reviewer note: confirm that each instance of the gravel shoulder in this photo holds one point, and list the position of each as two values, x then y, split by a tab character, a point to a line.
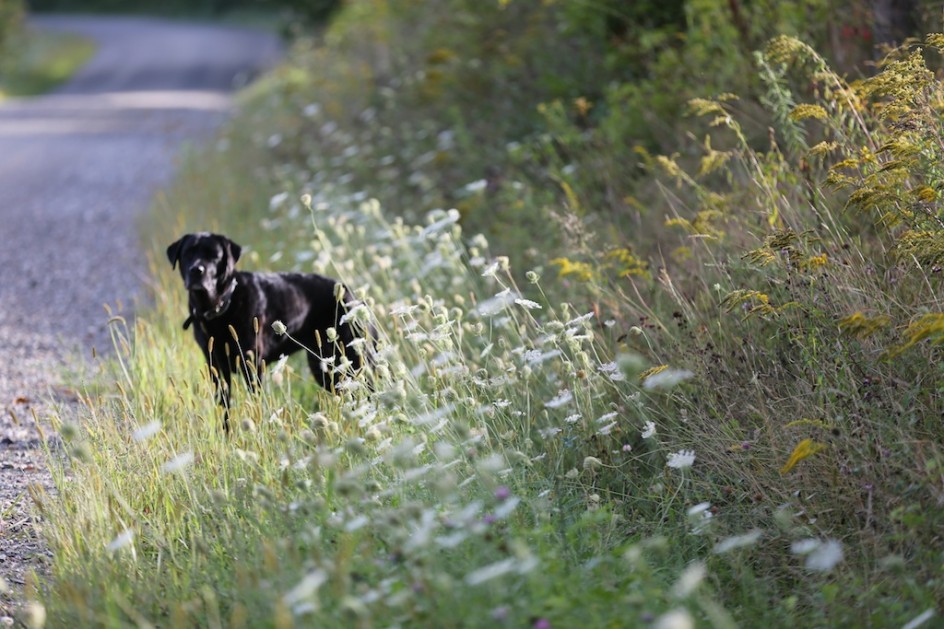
77	169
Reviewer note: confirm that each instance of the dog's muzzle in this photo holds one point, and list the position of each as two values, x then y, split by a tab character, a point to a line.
195	276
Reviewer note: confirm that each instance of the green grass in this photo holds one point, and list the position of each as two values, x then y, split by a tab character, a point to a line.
732	416
41	61
350	514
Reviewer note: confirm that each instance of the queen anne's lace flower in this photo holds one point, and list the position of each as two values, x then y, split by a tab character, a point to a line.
681	459
649	431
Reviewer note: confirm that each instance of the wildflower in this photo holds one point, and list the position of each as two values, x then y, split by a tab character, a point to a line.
491	271
592	463
738	541
358	312
804	546
279	328
675	619
475	186
123	539
479	241
277	200
821	556
803	450
494	305
666	378
403	310
536	356
690	579
605	430
606	417
580	319
627	447
276	371
502	493
649	431
611	369
541	623
563	398
451	217
178	463
699	509
681	459
146	431
34	615
527	303
491	571
506	508
306	588
533	277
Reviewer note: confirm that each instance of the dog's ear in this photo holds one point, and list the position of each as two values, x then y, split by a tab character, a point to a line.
231	255
173	251
234	250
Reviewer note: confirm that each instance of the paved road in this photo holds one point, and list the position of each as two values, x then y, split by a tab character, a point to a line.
76	170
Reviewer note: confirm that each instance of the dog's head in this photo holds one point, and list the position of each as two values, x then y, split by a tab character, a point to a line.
207	264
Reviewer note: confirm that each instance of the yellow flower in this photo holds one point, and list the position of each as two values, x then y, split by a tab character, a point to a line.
803	450
581	270
583	106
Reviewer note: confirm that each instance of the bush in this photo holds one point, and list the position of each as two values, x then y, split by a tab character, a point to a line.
11	21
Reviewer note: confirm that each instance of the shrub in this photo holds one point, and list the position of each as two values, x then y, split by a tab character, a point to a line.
11	20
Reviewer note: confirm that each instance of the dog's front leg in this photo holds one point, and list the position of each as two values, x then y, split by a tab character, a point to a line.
218	365
247	357
222	381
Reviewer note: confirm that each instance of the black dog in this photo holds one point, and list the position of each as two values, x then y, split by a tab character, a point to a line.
232	313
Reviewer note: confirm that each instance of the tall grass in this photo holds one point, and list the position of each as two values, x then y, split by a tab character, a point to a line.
460	492
730	418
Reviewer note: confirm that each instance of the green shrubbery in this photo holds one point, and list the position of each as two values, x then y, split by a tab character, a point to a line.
703	383
11	20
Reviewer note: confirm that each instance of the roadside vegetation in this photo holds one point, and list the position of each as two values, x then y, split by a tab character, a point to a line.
35	61
660	314
39	61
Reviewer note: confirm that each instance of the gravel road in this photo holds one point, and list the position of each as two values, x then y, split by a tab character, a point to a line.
76	170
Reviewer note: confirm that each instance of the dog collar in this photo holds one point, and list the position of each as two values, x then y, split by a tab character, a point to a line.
218	310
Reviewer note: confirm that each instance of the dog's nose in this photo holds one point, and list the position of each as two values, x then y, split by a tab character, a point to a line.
195	275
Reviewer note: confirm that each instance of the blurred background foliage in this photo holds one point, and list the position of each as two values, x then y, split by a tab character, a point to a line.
11	19
492	107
